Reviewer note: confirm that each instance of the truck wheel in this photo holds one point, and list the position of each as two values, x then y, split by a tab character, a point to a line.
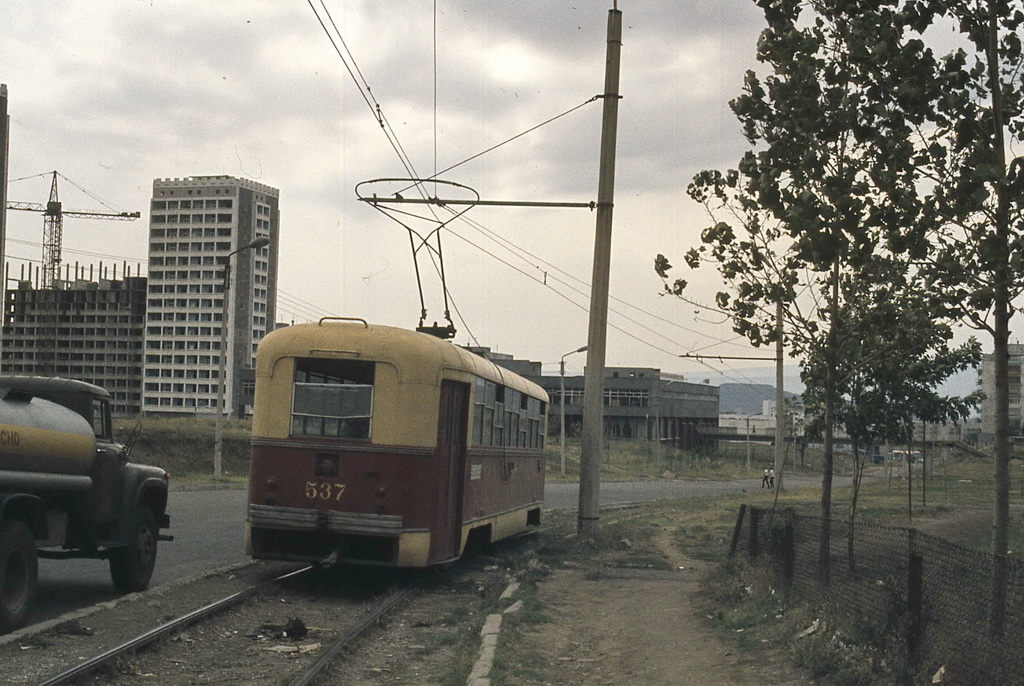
19	573
131	567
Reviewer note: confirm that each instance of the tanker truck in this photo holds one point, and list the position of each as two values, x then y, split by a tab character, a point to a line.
69	490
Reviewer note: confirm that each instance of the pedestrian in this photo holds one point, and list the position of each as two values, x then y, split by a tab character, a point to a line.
771	477
764	479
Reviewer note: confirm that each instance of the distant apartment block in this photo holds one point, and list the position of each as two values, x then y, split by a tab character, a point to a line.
987	383
82	328
195	224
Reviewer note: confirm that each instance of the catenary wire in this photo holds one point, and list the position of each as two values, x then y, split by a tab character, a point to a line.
375	108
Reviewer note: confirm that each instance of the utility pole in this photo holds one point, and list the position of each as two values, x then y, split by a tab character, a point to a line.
218	426
561	406
593	397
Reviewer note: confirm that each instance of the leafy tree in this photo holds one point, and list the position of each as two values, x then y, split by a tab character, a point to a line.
896	351
829	193
973	102
826	190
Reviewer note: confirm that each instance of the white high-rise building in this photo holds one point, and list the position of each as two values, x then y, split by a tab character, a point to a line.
196	223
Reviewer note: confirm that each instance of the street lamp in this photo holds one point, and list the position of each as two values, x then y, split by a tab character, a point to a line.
218	442
561	405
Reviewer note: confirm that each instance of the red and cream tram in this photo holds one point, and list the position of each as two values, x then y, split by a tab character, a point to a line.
382	446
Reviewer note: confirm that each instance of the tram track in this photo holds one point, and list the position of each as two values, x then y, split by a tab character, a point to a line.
77	672
232	635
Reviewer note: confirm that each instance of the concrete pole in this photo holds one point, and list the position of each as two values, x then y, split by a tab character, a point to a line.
593	397
561	404
748	442
561	410
218	440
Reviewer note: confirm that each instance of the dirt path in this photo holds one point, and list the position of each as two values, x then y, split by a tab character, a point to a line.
640	627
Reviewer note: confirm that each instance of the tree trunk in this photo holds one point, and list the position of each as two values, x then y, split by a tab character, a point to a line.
1000	346
831	353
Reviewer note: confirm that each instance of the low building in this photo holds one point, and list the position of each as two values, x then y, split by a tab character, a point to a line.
639	402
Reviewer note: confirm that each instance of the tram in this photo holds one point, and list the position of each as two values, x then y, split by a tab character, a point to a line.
376	445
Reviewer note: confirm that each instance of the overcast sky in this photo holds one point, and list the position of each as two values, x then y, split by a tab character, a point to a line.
115	94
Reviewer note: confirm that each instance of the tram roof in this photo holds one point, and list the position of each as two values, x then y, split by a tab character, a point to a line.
417	355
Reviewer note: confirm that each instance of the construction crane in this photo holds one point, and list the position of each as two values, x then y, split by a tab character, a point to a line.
53	228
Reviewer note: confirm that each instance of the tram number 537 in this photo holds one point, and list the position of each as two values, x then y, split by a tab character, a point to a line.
324	490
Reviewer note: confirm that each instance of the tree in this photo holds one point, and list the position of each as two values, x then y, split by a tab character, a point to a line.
974	101
830	192
896	352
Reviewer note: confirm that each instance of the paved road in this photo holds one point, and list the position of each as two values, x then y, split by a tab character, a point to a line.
208	527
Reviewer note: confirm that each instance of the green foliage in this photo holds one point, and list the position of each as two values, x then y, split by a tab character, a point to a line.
184	447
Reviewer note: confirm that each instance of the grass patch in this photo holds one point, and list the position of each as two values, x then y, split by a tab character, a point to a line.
184	447
632	460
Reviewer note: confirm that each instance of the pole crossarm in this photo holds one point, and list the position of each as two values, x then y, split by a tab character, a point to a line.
440	202
695	356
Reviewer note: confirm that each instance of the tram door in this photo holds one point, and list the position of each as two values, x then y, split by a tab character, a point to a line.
451	463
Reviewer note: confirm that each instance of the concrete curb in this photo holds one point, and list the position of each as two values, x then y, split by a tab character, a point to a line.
481	674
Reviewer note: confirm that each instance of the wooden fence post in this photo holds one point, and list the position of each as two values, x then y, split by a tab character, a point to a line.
788	547
915	602
755	522
736	531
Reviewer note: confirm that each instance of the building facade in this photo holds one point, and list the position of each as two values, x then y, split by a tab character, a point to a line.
197	224
987	383
642	403
85	329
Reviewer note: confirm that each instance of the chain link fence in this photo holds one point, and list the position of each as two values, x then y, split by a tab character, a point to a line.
921	602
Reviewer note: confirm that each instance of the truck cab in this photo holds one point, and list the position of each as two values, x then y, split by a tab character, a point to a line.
68	489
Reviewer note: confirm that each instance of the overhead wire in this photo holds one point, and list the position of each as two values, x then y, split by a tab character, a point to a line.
436	257
518	251
366	93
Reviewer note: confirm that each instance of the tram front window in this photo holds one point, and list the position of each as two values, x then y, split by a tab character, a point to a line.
332	398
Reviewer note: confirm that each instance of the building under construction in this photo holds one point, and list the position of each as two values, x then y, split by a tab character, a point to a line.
89	327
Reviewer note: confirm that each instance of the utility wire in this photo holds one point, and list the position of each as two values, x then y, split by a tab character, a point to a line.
367	95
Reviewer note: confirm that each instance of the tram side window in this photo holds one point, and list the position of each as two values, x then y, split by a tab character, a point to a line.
332	398
483	417
536	414
507	417
513	401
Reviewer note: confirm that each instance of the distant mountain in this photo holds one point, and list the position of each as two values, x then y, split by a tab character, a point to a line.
745	398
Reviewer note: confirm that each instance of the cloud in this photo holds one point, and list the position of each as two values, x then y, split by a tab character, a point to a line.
119	93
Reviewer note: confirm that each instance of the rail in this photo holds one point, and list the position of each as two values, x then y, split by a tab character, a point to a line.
71	675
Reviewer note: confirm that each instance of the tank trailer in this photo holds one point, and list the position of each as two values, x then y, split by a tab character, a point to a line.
69	490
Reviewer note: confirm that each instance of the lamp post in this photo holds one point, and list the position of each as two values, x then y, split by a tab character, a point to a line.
561	405
218	442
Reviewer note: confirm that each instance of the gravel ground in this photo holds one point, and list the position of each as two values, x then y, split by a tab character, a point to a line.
617	626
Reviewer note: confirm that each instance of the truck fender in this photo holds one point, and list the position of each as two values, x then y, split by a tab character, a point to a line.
27	507
143	487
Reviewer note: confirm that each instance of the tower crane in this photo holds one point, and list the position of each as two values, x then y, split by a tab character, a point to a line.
53	228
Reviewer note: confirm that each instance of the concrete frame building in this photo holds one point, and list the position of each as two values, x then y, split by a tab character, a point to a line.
643	403
639	402
196	223
5	136
987	383
85	329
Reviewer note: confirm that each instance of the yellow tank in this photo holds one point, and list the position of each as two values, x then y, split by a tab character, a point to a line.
37	435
